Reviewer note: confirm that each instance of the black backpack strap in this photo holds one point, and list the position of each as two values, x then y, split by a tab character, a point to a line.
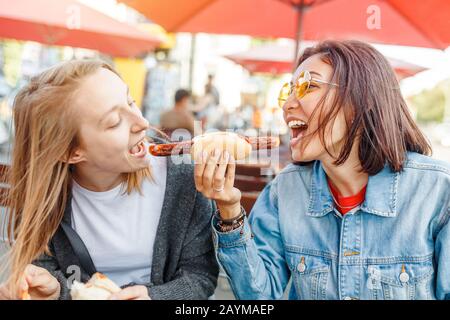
79	248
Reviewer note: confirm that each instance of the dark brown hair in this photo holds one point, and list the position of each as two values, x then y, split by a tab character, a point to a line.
374	109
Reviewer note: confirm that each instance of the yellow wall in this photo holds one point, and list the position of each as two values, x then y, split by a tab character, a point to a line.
132	72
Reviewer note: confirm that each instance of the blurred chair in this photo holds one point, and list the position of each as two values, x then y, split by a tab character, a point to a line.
264	170
248	199
249	184
251	179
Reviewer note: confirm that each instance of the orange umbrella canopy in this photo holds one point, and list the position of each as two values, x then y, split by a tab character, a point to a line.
70	23
277	59
403	22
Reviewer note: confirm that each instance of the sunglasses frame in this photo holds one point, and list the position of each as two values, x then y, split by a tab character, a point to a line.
306	77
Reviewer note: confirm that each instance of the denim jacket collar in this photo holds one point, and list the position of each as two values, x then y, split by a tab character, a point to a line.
380	200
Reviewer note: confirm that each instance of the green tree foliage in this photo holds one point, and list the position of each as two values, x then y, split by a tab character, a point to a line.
430	105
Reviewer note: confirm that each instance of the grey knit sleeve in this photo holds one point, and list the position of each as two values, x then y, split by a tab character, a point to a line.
196	276
51	265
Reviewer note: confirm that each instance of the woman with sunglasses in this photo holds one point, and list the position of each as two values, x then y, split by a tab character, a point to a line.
363	213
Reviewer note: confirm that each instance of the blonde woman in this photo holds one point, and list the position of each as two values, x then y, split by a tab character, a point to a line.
85	197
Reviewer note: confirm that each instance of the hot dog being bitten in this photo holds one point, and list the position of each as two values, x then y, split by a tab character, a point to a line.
238	146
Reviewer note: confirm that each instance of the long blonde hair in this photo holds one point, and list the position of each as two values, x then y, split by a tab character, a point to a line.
40	176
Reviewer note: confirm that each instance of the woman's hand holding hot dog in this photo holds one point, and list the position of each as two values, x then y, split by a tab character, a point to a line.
36	283
214	178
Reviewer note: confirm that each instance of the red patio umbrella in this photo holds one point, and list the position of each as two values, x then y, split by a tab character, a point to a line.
70	23
401	22
272	58
277	59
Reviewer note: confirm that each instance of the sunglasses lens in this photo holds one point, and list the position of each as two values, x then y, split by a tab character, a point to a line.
301	88
284	94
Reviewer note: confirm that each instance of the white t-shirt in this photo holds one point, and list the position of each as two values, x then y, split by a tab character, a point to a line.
119	230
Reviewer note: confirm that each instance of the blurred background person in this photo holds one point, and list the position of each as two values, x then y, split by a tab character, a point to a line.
180	117
208	110
210	89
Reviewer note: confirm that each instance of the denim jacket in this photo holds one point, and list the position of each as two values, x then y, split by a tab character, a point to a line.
395	245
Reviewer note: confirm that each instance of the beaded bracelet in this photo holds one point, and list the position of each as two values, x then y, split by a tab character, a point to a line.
228	228
232	220
226	225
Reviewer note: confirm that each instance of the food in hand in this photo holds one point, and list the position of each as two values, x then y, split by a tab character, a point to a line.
25	296
238	146
99	287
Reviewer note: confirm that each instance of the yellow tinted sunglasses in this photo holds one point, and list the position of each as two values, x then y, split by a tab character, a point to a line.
300	87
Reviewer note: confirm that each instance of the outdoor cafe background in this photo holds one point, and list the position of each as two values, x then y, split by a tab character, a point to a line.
247	45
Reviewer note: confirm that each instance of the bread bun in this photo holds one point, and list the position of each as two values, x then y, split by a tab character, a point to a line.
99	287
236	146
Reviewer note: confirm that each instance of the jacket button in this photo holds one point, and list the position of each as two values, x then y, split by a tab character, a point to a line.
404	277
301	267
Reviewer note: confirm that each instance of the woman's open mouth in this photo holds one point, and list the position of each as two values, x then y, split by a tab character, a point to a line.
298	128
138	150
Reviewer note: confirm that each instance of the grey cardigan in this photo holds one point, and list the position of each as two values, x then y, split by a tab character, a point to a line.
184	264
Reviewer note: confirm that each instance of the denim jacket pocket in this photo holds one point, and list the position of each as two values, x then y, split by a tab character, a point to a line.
401	281
309	275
